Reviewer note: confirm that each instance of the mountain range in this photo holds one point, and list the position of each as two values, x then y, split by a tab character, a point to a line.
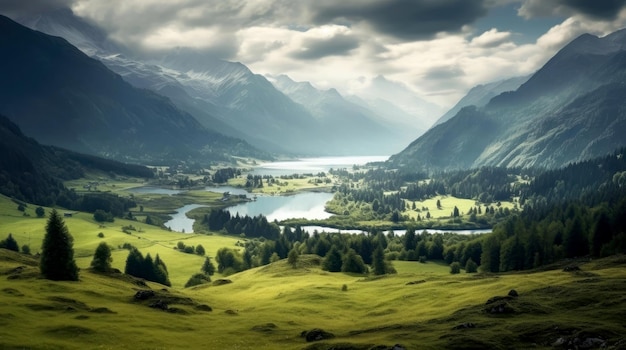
571	109
59	96
230	99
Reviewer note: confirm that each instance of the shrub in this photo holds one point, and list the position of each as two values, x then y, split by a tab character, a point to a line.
455	267
344	288
197	279
26	249
470	266
200	250
422	259
40	212
101	235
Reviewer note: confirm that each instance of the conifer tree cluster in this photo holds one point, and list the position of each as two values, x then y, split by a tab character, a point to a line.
146	268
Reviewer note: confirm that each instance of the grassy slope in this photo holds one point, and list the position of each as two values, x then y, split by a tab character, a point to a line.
386	310
151	239
284	302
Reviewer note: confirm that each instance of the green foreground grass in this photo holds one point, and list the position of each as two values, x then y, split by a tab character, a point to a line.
268	307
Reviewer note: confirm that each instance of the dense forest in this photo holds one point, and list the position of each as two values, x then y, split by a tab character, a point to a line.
576	211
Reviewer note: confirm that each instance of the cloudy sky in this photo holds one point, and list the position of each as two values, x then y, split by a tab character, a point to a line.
438	48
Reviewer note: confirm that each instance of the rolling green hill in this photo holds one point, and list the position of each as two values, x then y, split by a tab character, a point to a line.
422	306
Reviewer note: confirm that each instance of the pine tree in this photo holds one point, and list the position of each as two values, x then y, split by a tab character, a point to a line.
332	262
601	234
10	243
352	262
57	252
134	263
102	258
378	261
292	258
208	268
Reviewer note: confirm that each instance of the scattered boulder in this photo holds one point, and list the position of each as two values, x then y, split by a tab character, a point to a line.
159	304
221	282
266	328
102	310
513	293
415	282
579	343
465	325
571	268
316	334
144	294
176	310
499	305
385	347
204	307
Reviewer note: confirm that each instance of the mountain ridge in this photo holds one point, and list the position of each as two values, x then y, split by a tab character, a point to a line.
60	96
568	111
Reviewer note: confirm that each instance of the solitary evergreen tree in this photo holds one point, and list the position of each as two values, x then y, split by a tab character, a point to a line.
378	261
102	258
332	262
208	268
10	243
292	258
57	252
352	262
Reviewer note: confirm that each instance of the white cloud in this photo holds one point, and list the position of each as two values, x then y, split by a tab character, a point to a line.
323	42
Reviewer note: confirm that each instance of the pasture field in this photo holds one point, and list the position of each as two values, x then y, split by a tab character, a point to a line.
447	206
84	229
286	186
423	306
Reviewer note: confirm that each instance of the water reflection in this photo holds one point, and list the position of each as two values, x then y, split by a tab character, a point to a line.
309	205
180	222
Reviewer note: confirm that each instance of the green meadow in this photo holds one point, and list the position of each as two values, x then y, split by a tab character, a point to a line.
423	306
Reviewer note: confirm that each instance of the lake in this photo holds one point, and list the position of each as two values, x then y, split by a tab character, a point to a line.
313	165
180	222
309	205
154	190
312	228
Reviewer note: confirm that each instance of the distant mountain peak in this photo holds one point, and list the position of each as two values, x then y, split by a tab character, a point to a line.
571	109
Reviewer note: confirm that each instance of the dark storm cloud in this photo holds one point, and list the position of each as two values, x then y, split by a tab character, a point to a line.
30	7
339	45
596	9
601	9
404	19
